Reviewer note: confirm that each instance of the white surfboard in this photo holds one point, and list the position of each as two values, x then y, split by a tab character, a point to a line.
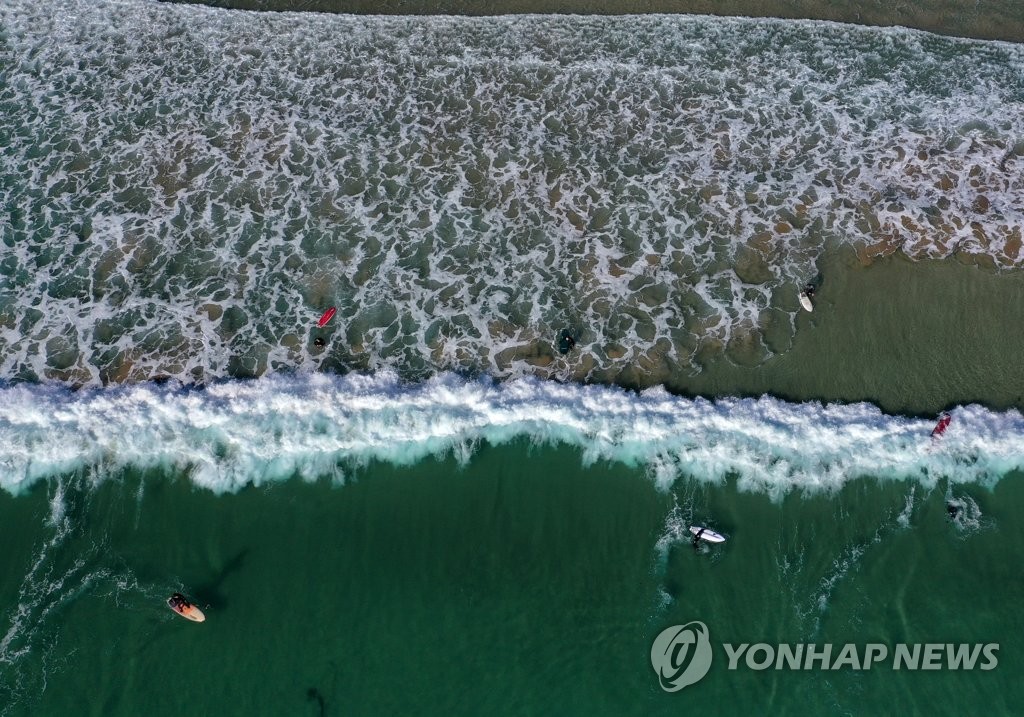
708	534
805	301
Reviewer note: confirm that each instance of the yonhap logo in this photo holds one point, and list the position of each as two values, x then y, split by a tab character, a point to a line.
681	655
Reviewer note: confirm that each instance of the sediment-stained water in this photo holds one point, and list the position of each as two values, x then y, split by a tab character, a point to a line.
185	188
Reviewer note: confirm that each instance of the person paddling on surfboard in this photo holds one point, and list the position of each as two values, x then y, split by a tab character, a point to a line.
183	607
805	297
696	538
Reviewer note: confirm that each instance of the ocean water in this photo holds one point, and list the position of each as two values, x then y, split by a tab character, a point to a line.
437	510
521	583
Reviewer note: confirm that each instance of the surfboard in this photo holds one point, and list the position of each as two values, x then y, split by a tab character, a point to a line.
708	534
805	301
328	315
189	613
942	425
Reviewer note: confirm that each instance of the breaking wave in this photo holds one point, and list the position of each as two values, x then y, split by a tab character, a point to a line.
238	433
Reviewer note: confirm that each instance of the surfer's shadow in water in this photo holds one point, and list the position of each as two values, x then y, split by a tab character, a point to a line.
679	565
676	549
208	595
211	594
313	694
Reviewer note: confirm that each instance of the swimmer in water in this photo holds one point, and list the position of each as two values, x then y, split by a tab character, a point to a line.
696	538
178	602
566	342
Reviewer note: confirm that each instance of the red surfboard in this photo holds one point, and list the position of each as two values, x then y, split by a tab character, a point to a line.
328	315
942	425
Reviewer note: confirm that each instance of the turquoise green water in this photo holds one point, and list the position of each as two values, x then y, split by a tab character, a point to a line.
522	584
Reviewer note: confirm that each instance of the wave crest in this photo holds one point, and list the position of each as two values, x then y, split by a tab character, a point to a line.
248	432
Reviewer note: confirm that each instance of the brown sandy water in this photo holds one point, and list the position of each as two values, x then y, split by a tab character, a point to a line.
983	19
911	336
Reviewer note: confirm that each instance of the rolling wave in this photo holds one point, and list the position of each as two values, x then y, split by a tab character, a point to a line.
238	433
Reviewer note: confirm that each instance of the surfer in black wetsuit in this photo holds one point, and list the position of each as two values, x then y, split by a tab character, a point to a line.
696	538
178	602
566	342
809	291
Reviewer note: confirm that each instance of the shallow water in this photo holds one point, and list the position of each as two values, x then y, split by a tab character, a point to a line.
981	19
187	189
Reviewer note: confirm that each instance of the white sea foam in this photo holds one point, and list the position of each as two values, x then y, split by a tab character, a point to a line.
44	587
249	432
186	188
964	512
903	519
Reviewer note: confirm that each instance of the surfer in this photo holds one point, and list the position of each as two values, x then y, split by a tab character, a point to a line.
696	538
805	297
178	602
953	509
566	342
183	607
319	342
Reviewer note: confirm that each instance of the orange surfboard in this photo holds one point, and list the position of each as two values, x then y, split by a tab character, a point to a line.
189	613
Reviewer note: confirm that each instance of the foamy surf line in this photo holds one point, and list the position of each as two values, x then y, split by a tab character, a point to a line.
238	433
186	188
